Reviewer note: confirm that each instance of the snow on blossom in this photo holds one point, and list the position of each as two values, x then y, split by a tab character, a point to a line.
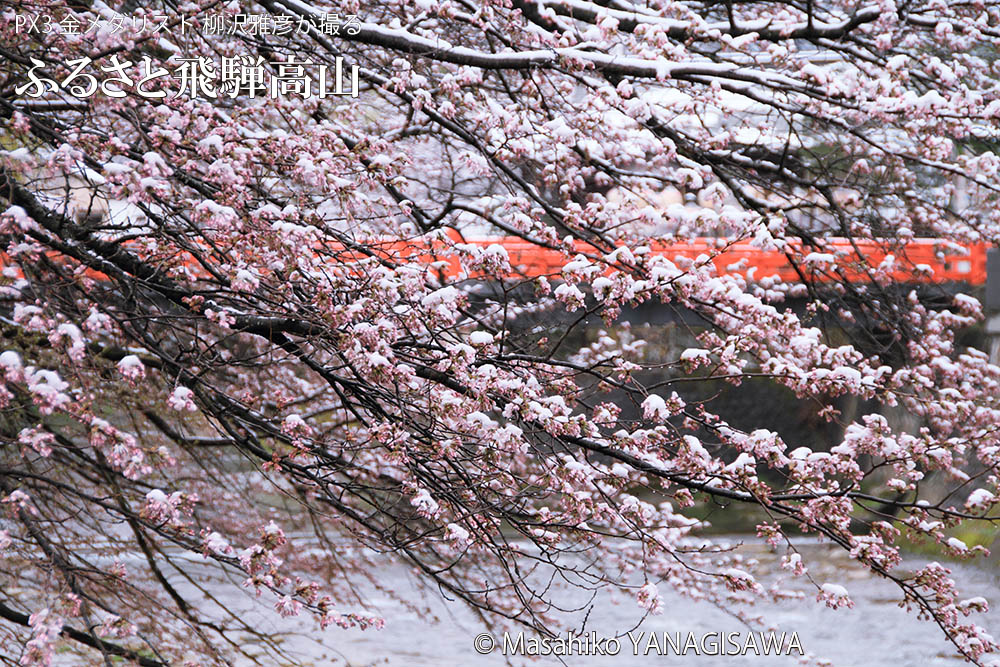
834	595
217	544
973	604
570	295
10	360
72	333
37	439
649	598
659	409
163	508
426	506
980	499
956	545
272	535
132	368
18	499
744	464
580	266
740	580
968	305
97	321
20	218
245	280
287	606
182	399
457	534
220	317
820	259
294	425
48	390
601	287
481	338
694	357
481	421
654	407
156	496
793	562
444	296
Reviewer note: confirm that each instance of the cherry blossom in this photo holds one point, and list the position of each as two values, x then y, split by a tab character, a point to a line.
296	340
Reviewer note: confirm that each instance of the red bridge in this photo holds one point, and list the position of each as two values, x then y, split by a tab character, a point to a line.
918	261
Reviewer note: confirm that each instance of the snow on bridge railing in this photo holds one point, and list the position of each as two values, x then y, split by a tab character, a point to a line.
921	260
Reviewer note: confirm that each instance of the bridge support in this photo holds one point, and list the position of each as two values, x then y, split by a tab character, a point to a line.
993	303
993	337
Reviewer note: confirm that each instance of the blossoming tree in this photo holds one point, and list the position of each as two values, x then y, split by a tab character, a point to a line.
253	336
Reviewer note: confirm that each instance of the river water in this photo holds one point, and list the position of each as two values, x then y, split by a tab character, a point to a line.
875	632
